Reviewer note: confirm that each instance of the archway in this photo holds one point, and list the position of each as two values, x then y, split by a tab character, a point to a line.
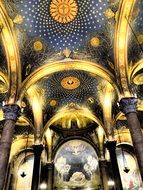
76	166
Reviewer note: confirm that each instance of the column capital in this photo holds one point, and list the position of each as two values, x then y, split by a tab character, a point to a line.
128	105
11	111
38	148
111	145
103	162
50	165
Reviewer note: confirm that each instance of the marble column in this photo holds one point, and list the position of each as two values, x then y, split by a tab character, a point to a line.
50	167
128	107
37	166
103	169
111	146
11	113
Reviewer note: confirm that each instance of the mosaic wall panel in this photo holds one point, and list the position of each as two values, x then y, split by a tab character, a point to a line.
131	180
76	167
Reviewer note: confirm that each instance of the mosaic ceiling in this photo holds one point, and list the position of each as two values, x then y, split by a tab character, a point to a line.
68	30
71	86
63	23
136	33
46	28
139	18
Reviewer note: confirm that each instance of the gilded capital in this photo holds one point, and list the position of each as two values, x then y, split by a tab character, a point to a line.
128	105
11	112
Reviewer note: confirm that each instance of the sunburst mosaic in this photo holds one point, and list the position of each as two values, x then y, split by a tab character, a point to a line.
63	11
63	23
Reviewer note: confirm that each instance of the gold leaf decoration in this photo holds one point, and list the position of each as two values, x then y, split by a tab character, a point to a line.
95	42
109	13
18	19
140	38
70	83
63	11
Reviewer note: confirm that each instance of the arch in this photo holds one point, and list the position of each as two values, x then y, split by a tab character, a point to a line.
80	111
63	65
75	137
21	170
76	166
12	54
120	44
4	79
137	67
128	167
19	144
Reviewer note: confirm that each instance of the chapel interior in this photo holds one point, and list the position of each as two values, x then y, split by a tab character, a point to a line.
71	94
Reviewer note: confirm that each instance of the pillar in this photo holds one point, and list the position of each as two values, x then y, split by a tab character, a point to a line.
128	107
103	169
37	164
111	146
11	113
50	167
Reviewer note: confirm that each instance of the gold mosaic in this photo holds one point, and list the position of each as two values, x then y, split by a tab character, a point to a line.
53	103
63	11
70	83
95	42
38	46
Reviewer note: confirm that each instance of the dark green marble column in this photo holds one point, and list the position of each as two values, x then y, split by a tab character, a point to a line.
11	113
128	107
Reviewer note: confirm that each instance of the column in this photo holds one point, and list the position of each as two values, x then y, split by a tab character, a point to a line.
50	167
11	113
111	146
37	164
128	107
103	169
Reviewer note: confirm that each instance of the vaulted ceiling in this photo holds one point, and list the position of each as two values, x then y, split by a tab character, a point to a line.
68	55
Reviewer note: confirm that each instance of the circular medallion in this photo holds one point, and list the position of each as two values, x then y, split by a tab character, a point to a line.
53	103
63	11
70	83
95	42
90	100
38	46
